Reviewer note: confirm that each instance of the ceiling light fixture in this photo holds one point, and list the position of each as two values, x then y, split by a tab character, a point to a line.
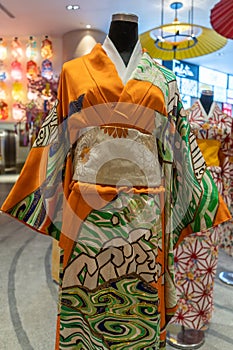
72	7
175	36
179	40
88	26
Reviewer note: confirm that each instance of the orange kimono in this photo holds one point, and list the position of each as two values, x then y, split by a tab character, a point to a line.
116	176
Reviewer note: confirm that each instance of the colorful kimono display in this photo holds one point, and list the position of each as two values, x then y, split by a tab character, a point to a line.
115	175
227	228
197	256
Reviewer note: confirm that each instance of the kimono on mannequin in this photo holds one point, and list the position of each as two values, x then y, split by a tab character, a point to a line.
226	241
116	177
196	257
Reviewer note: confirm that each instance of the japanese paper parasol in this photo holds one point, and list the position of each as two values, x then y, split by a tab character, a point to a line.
208	41
221	18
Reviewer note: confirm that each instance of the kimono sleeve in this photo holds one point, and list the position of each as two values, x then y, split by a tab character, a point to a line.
225	154
37	197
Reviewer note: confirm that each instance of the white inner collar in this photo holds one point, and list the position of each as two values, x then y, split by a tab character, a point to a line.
124	71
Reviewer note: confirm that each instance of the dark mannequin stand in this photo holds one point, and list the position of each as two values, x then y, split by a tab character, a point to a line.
181	337
123	32
206	99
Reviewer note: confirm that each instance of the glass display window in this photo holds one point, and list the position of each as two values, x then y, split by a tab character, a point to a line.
220	94
212	77
230	82
229	93
189	87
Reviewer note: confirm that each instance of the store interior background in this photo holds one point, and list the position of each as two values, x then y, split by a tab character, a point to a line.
71	38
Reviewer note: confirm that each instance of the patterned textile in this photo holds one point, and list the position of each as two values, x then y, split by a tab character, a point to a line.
197	256
196	263
227	228
215	126
117	240
218	126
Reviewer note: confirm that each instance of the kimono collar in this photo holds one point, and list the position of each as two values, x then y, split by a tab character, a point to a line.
203	111
123	71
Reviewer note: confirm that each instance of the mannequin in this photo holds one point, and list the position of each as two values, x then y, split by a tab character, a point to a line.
123	32
212	129
207	98
109	207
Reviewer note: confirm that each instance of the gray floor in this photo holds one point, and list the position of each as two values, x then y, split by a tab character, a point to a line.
28	296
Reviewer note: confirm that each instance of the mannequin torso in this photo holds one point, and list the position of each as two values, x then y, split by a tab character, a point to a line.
123	32
207	100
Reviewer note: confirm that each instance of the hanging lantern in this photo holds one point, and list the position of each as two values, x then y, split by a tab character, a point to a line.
221	18
16	48
32	69
3	90
31	49
47	69
3	75
18	112
46	48
3	110
46	92
17	91
3	50
32	94
16	70
180	40
33	88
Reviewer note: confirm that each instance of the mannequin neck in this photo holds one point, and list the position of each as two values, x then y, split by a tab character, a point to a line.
124	35
206	101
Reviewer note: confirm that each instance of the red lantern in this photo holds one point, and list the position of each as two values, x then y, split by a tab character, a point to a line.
221	18
16	70
32	69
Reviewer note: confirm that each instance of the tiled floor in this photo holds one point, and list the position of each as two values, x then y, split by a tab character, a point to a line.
28	296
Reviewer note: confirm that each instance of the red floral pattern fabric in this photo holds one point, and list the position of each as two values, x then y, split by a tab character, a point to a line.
197	256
